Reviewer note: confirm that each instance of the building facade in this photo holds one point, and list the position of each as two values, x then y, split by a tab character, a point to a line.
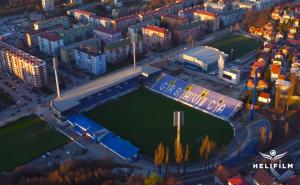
212	19
51	23
90	60
67	53
50	43
76	34
155	36
48	5
23	65
107	35
121	49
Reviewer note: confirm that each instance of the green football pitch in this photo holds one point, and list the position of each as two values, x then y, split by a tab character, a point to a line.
26	139
240	44
145	119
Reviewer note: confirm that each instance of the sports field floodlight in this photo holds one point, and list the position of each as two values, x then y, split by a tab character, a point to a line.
55	67
178	121
133	39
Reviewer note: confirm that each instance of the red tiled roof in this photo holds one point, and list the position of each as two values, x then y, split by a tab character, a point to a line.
156	28
238	181
83	12
174	17
203	12
192	9
259	64
261	176
275	69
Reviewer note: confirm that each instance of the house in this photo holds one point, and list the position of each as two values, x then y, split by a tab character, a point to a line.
291	36
256	31
173	21
211	18
277	61
293	30
154	36
191	30
261	176
278	36
238	180
222	174
261	85
275	71
263	98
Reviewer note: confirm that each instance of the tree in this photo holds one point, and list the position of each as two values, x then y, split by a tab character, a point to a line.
186	157
178	154
207	147
268	74
270	137
173	181
166	160
263	135
153	179
159	157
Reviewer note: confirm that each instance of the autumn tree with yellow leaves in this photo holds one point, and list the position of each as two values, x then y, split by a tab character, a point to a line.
159	157
178	154
207	147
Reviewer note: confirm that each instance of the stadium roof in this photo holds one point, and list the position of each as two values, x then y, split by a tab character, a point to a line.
121	147
205	54
71	97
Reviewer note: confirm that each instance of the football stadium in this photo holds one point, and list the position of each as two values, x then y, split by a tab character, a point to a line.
131	112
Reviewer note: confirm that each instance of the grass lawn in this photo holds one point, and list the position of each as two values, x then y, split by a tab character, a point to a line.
145	118
240	44
25	140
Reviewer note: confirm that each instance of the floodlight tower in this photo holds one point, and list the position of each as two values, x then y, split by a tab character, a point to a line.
178	121
55	66
251	118
133	38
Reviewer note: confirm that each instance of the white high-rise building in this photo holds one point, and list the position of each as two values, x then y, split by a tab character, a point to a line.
48	5
90	60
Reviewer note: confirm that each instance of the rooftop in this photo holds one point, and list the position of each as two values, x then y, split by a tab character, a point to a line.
29	58
51	36
156	29
71	97
205	54
207	13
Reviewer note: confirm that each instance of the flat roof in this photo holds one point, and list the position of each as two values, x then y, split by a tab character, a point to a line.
70	98
205	54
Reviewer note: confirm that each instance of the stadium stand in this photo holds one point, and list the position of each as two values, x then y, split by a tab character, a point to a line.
169	86
105	95
122	148
86	127
200	98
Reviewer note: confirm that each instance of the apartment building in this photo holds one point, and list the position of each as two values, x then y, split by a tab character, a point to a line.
154	36
90	60
107	35
50	23
50	43
23	65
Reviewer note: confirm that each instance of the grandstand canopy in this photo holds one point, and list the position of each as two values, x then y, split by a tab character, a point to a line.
71	97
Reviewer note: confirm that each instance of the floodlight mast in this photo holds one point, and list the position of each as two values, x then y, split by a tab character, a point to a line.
178	121
55	66
133	36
